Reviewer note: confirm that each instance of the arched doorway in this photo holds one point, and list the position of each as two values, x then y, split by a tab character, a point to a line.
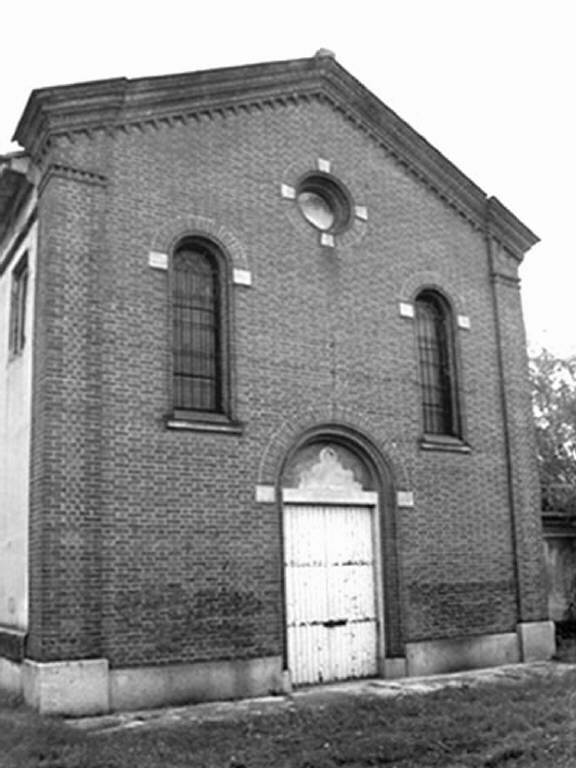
332	565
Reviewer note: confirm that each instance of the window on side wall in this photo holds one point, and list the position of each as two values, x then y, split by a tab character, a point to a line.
200	364
17	327
436	352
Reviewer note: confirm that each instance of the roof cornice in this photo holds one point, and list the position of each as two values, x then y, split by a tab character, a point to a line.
117	103
68	108
502	224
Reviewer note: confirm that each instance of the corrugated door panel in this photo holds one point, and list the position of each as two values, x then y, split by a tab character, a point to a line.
330	592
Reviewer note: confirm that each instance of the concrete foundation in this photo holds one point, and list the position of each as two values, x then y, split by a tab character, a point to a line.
67	687
433	657
537	640
144	687
10	676
89	687
394	668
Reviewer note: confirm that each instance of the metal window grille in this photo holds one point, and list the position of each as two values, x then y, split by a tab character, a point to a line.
435	349
196	313
17	326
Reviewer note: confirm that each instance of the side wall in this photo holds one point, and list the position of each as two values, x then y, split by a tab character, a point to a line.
15	423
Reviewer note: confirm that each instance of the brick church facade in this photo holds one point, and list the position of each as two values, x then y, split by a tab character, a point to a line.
264	410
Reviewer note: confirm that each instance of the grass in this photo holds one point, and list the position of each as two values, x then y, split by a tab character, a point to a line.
499	725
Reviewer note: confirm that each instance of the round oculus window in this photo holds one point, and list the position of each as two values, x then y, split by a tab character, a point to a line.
317	210
323	203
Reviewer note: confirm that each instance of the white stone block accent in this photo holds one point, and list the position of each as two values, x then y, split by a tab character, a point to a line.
361	212
324	165
265	494
158	260
242	277
406	309
288	192
327	240
405	498
464	322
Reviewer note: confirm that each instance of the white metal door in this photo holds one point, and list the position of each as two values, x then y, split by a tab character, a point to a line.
330	592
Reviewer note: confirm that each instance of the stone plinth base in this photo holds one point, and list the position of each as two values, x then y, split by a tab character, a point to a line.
10	676
434	657
144	687
395	668
537	640
67	687
89	687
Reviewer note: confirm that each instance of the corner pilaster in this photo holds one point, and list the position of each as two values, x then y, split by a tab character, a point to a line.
65	480
518	426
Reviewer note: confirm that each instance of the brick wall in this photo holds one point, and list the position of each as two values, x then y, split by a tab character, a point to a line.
164	554
65	527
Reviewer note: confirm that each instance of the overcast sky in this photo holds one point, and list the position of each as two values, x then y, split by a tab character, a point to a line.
490	83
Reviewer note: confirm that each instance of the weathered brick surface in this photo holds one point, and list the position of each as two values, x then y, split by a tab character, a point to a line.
147	543
65	567
525	497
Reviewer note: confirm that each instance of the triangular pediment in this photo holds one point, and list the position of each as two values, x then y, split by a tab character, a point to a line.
116	103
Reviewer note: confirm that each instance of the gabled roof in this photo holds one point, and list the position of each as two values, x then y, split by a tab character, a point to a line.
118	102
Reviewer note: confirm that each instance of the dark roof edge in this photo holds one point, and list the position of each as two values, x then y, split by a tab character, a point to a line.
10	156
115	102
15	186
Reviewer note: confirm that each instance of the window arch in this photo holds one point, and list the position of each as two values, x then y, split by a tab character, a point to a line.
200	369
436	353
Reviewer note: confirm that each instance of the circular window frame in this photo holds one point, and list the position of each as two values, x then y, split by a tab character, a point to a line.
337	198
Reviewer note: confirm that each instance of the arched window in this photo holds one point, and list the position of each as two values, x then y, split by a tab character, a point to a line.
199	348
437	365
